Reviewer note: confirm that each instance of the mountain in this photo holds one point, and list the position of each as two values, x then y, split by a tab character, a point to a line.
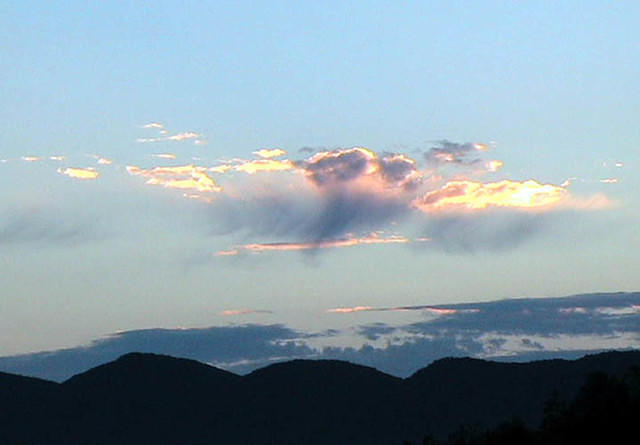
25	402
147	398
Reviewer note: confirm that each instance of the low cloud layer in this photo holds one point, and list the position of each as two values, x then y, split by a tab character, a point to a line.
520	329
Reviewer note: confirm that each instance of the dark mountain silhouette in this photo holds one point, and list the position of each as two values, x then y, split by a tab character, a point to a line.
147	398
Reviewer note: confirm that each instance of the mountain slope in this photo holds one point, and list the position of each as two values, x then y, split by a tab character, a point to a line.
147	398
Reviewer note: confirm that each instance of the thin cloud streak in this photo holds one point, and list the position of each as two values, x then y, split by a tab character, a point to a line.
327	244
232	312
163	155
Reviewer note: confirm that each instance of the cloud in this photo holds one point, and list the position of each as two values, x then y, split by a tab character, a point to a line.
183	136
165	135
264	165
335	198
153	125
338	166
448	152
43	225
79	173
270	153
494	166
435	310
359	166
302	215
247	346
515	330
496	231
231	312
471	195
348	310
372	238
185	177
104	161
164	155
31	158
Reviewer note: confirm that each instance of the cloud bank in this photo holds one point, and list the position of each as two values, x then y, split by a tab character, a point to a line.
520	329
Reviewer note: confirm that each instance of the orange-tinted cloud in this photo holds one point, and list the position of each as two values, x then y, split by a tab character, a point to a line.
230	312
264	165
79	173
183	136
372	238
494	166
186	177
157	125
349	310
186	135
361	166
164	155
270	153
471	195
31	158
339	166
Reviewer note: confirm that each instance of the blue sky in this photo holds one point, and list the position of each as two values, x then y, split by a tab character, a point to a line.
385	112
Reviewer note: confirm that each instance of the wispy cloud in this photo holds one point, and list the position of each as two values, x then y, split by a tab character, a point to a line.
494	166
157	125
45	225
232	312
164	155
447	152
166	135
372	238
264	165
268	153
79	173
436	310
185	177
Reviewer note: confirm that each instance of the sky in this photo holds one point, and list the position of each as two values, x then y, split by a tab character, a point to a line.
287	170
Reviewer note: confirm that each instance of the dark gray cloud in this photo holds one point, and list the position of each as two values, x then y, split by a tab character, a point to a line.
294	218
474	329
447	152
601	314
336	166
398	169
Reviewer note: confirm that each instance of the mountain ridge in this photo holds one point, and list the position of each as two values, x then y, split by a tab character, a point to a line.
144	397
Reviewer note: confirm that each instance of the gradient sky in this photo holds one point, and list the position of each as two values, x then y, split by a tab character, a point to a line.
431	153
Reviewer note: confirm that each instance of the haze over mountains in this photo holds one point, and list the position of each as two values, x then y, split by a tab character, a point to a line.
147	398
